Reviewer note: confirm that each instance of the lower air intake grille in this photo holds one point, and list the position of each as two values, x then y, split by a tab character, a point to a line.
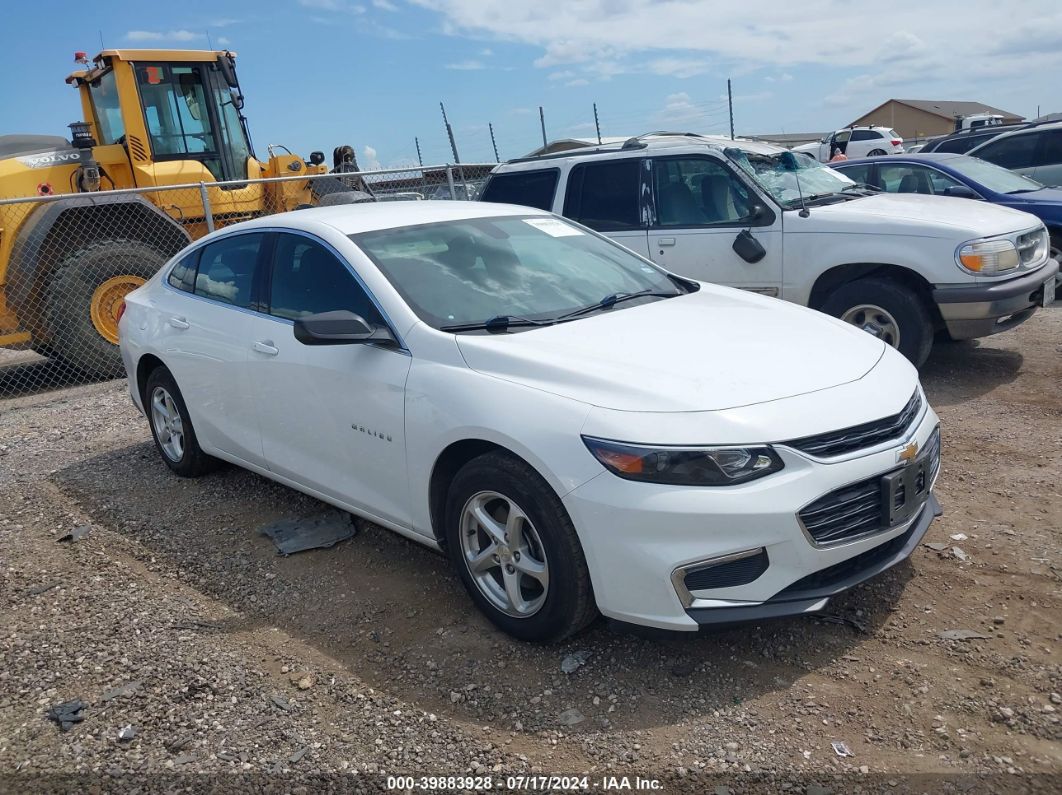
728	575
851	511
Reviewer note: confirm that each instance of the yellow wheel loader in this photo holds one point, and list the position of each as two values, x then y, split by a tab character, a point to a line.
152	118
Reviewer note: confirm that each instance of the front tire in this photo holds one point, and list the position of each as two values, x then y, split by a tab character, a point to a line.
171	427
892	312
516	550
85	292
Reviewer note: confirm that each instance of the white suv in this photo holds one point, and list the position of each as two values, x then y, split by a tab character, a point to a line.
855	142
754	216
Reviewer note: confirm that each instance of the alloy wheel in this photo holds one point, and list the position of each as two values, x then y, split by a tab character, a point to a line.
168	425
504	554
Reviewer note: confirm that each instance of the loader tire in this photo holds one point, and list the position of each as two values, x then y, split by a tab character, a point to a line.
84	294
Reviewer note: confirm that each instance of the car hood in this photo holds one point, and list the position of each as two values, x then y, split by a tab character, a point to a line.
1042	196
710	350
973	218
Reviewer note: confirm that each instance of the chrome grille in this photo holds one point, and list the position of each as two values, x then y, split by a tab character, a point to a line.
862	508
857	437
1032	246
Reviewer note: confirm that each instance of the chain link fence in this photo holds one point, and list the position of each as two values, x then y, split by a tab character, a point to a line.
67	261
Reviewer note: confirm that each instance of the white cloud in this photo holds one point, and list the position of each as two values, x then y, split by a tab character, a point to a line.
163	35
579	81
333	5
486	52
224	41
370	159
467	66
784	77
679	67
223	22
779	33
384	5
565	74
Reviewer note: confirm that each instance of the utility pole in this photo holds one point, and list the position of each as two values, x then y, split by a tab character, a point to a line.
597	125
419	158
542	121
493	142
450	134
730	102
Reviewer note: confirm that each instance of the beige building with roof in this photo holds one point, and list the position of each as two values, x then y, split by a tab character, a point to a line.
920	118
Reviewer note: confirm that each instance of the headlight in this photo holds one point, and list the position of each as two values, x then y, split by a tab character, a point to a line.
989	256
685	466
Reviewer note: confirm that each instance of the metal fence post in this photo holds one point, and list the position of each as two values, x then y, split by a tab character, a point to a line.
461	173
208	215
450	182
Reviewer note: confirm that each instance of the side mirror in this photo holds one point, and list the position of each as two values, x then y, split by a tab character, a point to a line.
757	212
237	98
339	327
961	192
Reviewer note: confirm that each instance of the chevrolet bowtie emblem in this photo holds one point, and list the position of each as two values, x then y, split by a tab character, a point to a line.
907	453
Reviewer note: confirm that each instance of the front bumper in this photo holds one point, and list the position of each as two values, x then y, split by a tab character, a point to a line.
813	593
637	535
981	310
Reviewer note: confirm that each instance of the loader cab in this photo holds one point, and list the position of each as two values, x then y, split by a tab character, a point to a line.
190	114
176	116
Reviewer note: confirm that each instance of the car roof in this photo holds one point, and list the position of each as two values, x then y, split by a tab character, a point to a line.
642	144
1032	128
916	157
351	219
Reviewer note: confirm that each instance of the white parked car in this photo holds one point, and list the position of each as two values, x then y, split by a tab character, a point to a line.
855	142
901	266
579	429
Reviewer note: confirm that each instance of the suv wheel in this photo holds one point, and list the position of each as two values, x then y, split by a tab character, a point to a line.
891	312
516	550
875	153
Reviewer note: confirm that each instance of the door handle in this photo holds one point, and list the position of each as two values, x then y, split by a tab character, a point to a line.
666	241
267	347
179	322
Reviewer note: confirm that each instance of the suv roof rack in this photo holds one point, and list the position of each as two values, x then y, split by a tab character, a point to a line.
634	142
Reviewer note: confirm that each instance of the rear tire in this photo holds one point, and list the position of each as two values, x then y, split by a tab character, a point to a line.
524	511
875	153
171	427
84	292
891	311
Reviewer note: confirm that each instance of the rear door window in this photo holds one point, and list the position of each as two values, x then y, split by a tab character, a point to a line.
1017	151
1051	151
529	188
182	276
605	195
865	135
227	270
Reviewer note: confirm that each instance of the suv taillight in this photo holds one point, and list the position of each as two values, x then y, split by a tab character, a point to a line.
896	141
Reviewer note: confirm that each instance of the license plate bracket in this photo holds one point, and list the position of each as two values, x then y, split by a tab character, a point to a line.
904	491
1048	295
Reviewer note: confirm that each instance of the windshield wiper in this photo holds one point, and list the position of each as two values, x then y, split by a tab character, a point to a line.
611	300
498	323
862	186
1023	190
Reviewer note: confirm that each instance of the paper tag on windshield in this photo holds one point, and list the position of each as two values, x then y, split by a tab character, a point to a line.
553	227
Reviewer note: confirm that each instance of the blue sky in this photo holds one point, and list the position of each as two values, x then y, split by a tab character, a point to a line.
371	73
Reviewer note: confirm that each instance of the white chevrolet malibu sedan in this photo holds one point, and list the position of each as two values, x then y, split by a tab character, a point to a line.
578	429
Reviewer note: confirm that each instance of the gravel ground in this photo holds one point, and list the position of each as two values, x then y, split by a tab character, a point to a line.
237	668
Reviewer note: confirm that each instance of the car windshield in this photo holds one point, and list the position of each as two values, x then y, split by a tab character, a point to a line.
993	177
534	268
778	174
